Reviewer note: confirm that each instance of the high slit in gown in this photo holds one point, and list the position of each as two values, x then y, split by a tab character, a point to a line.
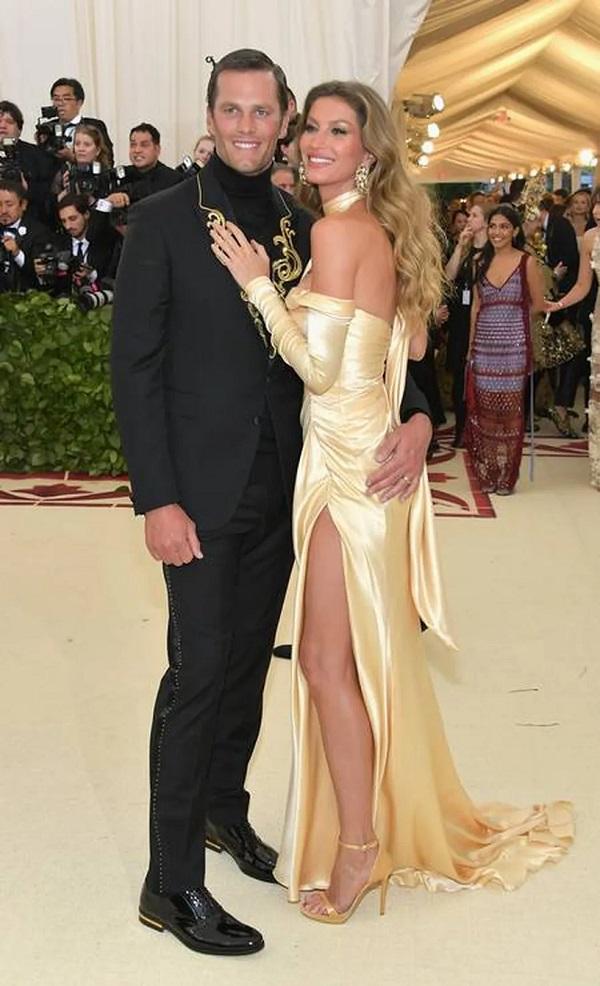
354	366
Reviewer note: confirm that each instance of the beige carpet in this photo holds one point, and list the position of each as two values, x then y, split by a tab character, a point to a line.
82	653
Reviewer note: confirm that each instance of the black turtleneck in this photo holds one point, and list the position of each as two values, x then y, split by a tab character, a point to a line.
251	199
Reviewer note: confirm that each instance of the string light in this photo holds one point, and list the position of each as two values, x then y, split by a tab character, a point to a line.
423	160
428	147
433	130
586	157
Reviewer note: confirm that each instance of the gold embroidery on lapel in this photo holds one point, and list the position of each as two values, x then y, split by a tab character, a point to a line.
289	267
214	215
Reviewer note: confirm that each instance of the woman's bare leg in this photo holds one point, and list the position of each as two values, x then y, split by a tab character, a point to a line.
327	661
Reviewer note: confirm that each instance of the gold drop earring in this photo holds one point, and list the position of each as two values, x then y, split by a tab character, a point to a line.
361	179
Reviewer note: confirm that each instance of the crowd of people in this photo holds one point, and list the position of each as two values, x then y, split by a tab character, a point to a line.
64	203
63	216
515	350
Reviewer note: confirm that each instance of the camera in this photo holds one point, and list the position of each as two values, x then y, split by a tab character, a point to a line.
188	167
89	179
49	131
10	165
88	298
57	266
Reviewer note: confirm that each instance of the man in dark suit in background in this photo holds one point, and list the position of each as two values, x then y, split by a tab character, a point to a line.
88	236
68	97
563	257
22	238
209	418
35	167
150	175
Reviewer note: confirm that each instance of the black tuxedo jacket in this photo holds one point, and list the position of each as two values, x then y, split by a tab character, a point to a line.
38	168
191	373
158	179
32	242
103	240
561	242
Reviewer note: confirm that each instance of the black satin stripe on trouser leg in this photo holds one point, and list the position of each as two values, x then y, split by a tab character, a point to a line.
223	613
264	572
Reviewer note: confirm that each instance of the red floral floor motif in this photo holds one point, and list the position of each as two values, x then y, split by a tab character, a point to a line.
454	487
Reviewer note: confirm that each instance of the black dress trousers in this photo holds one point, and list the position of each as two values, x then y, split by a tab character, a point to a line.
223	615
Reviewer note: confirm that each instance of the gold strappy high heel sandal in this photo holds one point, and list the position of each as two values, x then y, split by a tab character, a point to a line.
331	916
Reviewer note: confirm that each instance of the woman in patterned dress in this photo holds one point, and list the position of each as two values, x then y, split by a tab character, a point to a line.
507	291
590	261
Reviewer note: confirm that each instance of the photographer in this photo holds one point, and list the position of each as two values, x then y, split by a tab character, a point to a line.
21	239
88	173
151	175
64	115
23	162
89	245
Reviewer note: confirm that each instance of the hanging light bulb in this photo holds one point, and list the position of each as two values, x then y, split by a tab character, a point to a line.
512	176
586	156
433	130
492	181
594	162
566	167
534	173
520	174
427	147
423	160
552	169
500	179
438	102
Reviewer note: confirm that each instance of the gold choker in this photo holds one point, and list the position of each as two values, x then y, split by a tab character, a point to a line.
342	202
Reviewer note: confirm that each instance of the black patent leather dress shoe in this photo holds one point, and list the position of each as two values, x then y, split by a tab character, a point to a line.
251	854
195	917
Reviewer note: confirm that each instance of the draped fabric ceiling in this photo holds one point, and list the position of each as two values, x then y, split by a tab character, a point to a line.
521	81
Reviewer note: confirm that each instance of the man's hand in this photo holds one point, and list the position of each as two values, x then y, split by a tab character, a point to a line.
10	244
120	200
560	270
402	455
171	536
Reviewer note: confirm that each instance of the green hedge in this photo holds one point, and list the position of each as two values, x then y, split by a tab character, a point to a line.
55	401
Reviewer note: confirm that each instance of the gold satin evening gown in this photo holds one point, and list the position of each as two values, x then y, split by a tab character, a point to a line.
354	367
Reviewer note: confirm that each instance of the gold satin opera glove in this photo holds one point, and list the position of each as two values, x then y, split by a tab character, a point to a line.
317	356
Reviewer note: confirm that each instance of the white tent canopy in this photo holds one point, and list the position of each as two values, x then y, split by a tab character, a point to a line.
521	81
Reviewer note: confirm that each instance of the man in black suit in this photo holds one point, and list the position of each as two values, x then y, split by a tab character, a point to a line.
67	97
150	174
209	418
22	238
88	236
34	166
563	257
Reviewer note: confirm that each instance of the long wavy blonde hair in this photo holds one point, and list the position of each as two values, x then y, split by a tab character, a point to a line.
394	197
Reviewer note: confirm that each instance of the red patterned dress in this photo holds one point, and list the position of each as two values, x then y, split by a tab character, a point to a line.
501	358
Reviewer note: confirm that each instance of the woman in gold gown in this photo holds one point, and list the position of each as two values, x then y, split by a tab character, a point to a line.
374	793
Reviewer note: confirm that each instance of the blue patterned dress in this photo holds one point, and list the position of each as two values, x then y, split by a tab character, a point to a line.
501	359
